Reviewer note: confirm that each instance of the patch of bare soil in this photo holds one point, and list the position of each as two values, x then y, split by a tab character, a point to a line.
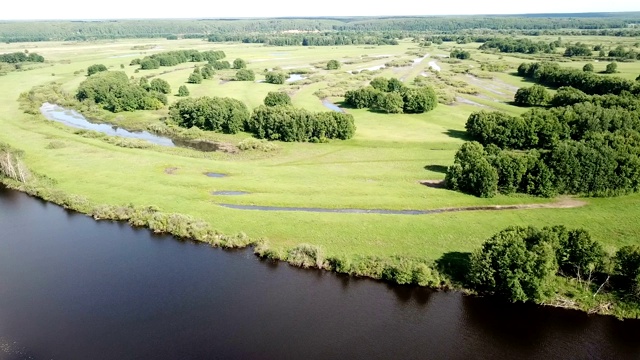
171	170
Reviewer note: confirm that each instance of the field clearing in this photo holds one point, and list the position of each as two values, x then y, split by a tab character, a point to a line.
380	168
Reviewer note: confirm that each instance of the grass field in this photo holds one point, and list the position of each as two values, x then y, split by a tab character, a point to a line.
380	168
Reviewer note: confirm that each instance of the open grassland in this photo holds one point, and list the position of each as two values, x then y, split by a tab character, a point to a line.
380	168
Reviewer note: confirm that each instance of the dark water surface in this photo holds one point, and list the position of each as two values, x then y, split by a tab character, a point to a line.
74	288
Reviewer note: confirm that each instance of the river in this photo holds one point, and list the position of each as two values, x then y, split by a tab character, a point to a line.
75	288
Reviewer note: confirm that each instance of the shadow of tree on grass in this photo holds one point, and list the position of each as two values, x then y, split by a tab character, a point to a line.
458	134
436	168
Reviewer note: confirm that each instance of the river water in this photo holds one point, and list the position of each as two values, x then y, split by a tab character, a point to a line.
74	288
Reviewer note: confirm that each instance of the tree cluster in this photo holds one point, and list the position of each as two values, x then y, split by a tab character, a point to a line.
521	263
287	123
524	46
392	96
216	114
577	49
245	75
550	74
20	57
624	54
172	58
585	148
114	91
536	95
275	77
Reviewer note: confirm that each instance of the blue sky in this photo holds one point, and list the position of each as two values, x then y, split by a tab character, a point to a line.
117	9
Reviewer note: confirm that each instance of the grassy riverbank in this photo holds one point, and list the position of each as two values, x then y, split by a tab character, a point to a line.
380	168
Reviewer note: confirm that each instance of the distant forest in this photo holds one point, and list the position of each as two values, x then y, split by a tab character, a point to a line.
617	24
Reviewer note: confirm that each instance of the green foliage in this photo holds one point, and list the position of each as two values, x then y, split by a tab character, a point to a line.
588	67
239	64
627	266
535	95
195	78
517	264
305	255
95	69
275	77
257	144
172	58
566	96
578	255
471	172
245	75
511	45
611	68
220	65
333	65
115	93
160	85
275	98
20	57
550	74
460	54
207	71
149	64
577	49
183	91
392	96
286	123
216	114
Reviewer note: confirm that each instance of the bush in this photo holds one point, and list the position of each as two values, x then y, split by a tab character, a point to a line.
612	68
239	64
275	98
588	67
160	85
333	65
195	78
95	69
183	91
306	256
471	172
627	266
245	75
276	77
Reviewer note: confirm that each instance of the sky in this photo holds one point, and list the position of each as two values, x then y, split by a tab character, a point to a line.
132	9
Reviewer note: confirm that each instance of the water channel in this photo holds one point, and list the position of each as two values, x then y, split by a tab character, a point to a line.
75	288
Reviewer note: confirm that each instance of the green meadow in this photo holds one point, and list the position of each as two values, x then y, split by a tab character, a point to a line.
380	168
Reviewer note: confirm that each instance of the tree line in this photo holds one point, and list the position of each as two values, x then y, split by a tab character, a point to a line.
277	121
392	96
588	145
522	264
20	57
172	58
551	74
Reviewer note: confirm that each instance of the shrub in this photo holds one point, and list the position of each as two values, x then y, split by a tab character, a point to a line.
183	91
276	77
245	75
95	69
306	256
588	67
275	98
160	85
239	64
195	78
612	68
333	65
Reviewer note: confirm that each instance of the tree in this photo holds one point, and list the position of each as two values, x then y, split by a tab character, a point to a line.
96	68
149	64
535	95
391	103
380	83
276	98
460	54
207	71
195	78
183	91
638	78
275	77
612	68
245	75
333	65
471	172
588	67
220	65
395	85
419	100
627	266
239	64
160	85
144	83
516	264
578	254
